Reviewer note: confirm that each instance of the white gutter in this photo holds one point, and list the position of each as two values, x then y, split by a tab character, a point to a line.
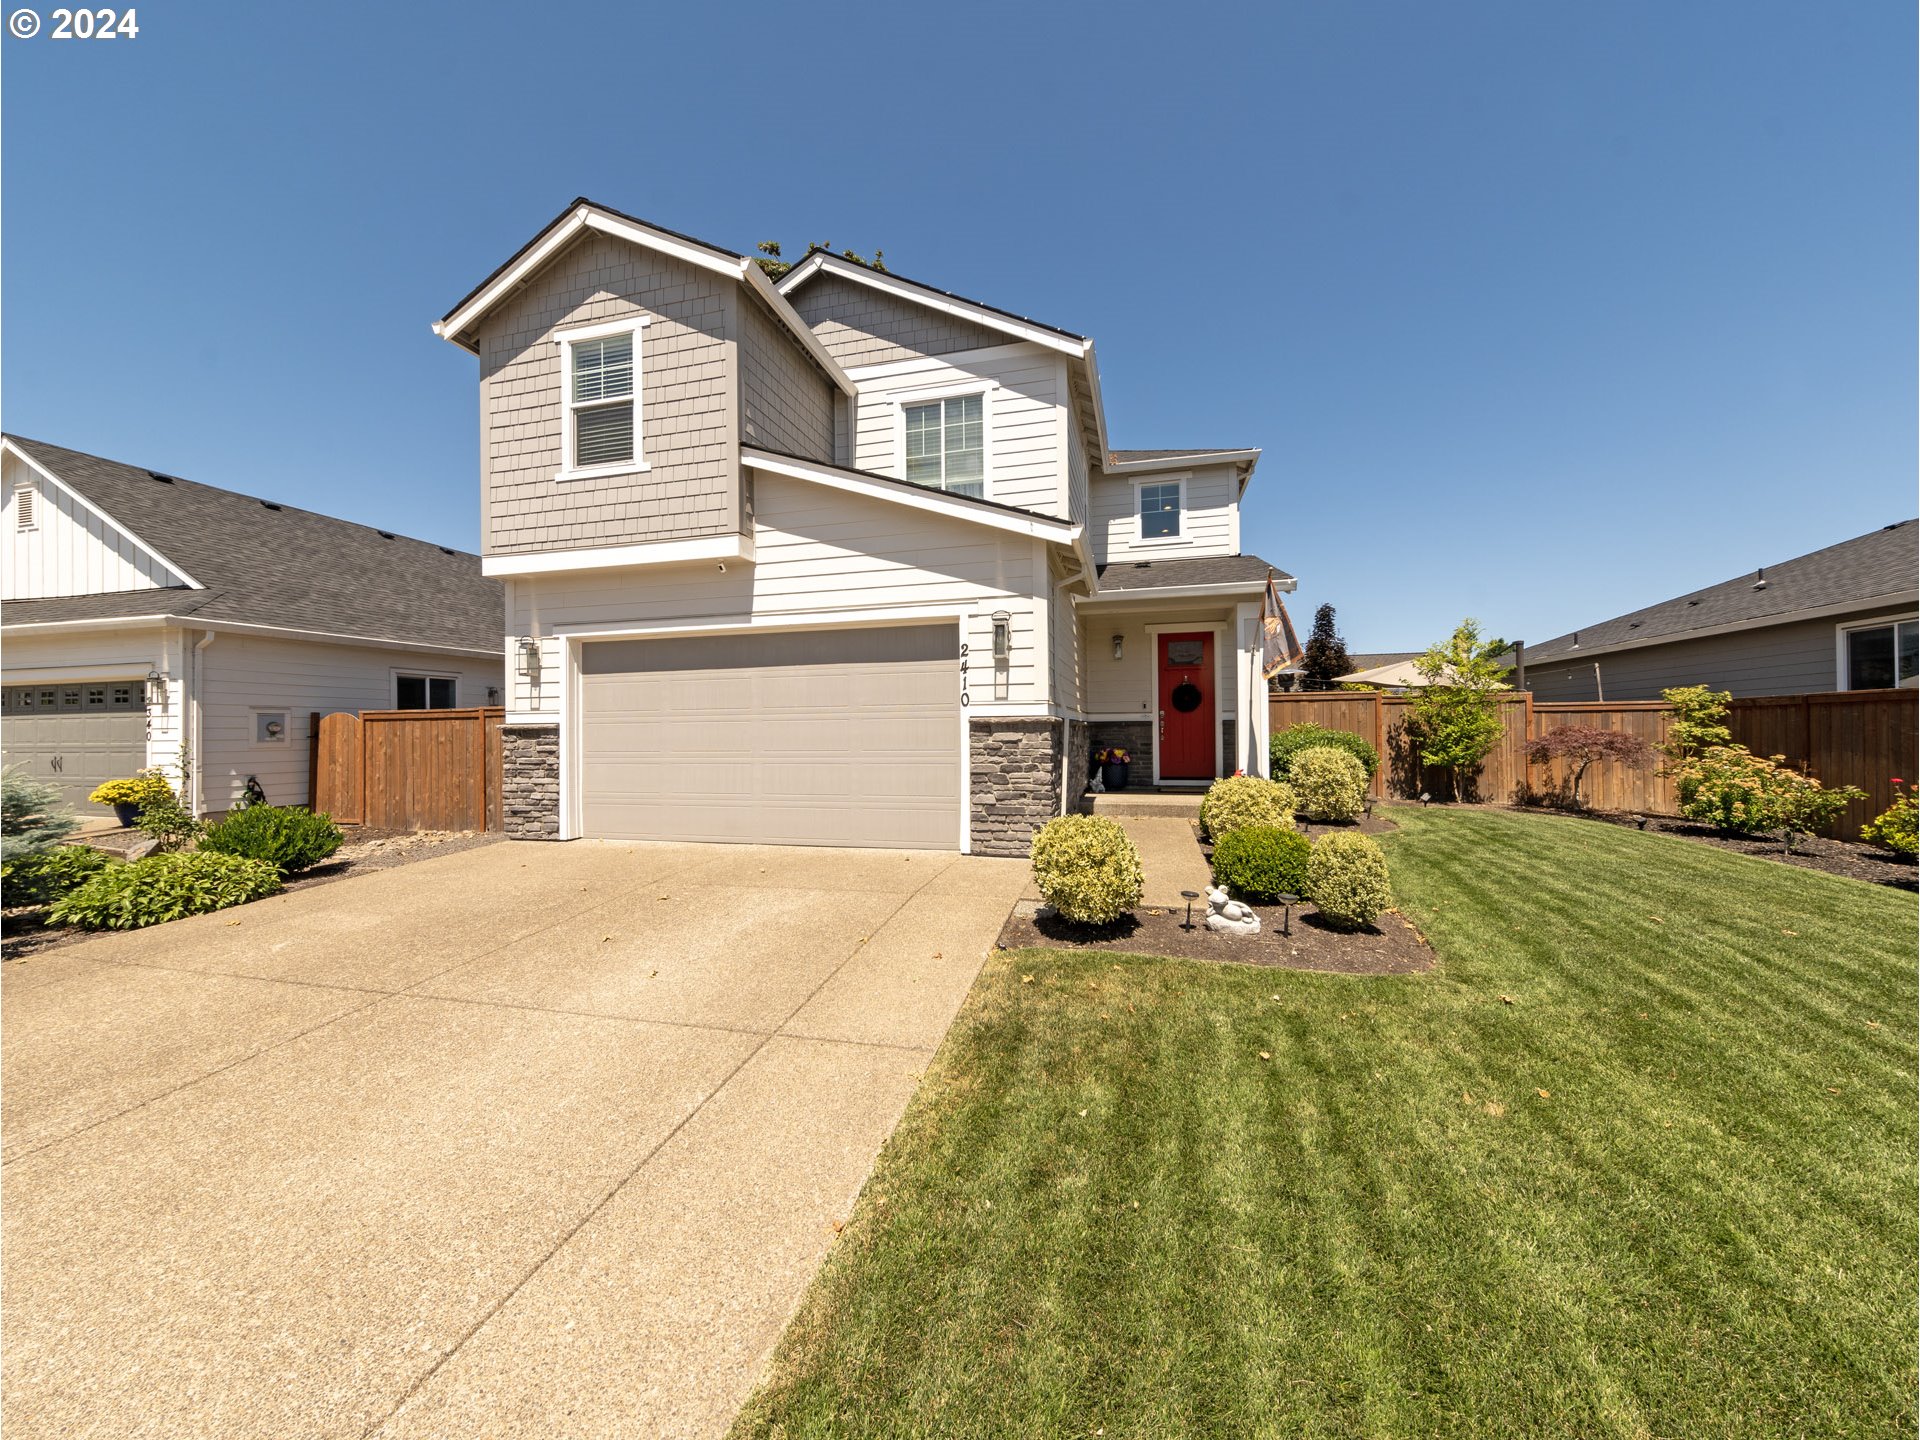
55	627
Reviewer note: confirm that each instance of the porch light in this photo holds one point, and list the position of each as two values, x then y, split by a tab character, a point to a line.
529	661
1119	647
1002	635
156	688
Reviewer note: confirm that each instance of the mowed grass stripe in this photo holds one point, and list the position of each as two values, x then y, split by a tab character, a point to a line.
1384	1229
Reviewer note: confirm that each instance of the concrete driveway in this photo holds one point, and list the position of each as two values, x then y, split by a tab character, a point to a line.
533	1140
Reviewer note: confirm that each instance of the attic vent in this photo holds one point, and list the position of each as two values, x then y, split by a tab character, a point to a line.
1760	579
385	534
268	504
1143	564
1633	625
163	479
23	508
445	551
1693	602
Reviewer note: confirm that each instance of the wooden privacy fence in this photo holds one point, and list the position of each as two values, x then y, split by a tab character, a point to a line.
1853	737
408	769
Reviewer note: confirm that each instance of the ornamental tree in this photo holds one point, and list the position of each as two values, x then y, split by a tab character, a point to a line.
1582	745
1453	718
1325	659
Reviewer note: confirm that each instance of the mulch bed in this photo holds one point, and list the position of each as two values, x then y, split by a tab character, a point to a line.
24	932
1854	859
1392	947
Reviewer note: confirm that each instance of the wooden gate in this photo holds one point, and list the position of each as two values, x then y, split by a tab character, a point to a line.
409	769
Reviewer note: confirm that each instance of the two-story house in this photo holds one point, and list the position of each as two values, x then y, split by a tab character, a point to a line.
844	560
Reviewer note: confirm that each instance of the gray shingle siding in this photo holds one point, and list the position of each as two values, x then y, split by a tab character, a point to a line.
688	406
1792	659
861	326
786	401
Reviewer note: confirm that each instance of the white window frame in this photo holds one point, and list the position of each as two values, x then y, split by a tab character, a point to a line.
566	340
1842	675
254	712
1184	535
399	672
902	399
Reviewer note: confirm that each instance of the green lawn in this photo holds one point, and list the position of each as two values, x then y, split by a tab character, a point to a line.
1669	1190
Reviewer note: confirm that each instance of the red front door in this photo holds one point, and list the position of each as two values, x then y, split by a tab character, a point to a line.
1187	725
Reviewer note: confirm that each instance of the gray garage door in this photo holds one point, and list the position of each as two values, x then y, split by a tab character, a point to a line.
75	734
848	737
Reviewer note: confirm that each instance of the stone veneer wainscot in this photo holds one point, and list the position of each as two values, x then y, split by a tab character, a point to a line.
530	781
1015	783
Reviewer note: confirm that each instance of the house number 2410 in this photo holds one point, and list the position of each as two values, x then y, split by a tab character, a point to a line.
965	700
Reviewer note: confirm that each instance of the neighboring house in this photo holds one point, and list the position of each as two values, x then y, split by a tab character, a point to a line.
1842	618
1387	669
846	561
151	621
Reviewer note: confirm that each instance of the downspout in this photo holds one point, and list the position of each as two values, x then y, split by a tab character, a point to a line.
198	801
1066	760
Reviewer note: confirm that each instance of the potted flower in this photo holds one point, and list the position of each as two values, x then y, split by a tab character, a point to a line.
128	797
1113	767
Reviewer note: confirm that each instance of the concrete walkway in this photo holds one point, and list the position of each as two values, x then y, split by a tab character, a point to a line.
532	1140
1170	858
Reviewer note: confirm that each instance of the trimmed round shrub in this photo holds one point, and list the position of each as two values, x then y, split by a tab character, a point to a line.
1262	862
291	840
1242	800
1086	868
1291	741
1347	880
42	878
164	887
1328	783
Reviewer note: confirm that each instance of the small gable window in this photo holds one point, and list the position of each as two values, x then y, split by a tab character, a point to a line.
601	367
1160	505
946	444
423	692
23	508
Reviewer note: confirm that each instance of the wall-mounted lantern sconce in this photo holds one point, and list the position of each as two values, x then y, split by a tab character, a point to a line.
528	664
1119	647
493	694
156	688
1002	635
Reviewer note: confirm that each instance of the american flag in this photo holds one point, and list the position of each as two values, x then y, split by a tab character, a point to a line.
1280	647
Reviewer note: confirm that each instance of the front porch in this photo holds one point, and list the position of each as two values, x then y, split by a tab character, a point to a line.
1176	683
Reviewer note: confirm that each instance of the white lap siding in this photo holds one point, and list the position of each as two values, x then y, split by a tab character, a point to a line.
820	551
1207	527
243	673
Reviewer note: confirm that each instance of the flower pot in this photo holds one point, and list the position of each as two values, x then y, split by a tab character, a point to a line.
127	814
1114	776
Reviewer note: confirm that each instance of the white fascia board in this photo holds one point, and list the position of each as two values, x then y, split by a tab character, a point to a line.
1143	595
1908	598
1185	462
621	557
932	300
285	632
757	281
7	445
581	217
918	497
868	617
1099	408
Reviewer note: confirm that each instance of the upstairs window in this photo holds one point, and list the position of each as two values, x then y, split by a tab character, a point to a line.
601	414
946	445
1160	506
423	692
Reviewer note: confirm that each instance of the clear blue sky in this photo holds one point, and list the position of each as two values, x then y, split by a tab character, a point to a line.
1541	311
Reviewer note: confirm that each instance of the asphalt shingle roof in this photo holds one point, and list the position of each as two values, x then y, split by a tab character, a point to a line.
1881	562
265	563
1208	570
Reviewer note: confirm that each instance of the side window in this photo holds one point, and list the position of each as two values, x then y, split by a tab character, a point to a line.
600	406
1160	510
946	444
423	692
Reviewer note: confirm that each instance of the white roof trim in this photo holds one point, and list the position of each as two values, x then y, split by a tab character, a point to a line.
1578	653
915	294
1183	462
587	216
192	622
918	497
9	446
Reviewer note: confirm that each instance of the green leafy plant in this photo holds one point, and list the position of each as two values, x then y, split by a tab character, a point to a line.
291	840
171	825
1242	800
46	875
1262	862
1697	724
1893	828
137	790
33	816
1741	793
1328	783
1453	718
1086	868
1347	880
1291	741
164	887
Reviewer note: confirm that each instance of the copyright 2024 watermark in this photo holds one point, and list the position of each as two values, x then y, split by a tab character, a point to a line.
66	24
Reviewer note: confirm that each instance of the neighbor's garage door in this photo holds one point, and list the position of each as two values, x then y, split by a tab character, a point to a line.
75	734
847	737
